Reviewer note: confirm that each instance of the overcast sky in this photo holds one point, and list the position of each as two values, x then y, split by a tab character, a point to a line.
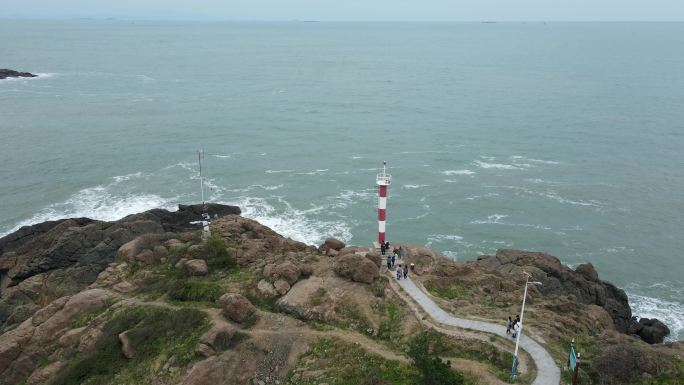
353	10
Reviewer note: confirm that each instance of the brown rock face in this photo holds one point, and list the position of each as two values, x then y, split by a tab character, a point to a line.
266	289
288	271
281	286
43	262
560	280
126	348
219	336
236	307
333	243
357	268
375	257
196	267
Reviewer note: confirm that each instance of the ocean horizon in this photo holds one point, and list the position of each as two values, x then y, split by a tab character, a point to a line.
562	137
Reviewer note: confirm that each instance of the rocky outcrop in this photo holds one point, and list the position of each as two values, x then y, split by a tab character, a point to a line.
236	307
651	331
5	73
560	280
126	348
357	268
196	267
37	337
49	260
332	244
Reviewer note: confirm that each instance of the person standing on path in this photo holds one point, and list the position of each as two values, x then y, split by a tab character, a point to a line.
516	328
393	258
405	271
382	248
509	325
390	262
399	272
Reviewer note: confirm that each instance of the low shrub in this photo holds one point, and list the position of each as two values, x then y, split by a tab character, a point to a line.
432	370
194	291
153	332
217	256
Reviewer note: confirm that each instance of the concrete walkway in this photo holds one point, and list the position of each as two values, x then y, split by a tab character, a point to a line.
547	371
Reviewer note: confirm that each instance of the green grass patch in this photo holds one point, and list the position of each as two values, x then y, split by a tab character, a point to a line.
157	335
354	319
194	291
263	303
217	256
499	361
674	377
432	369
335	362
91	315
455	291
391	321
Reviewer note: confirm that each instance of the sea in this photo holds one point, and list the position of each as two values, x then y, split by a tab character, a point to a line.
566	138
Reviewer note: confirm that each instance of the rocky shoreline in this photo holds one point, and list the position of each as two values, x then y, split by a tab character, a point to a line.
7	73
57	277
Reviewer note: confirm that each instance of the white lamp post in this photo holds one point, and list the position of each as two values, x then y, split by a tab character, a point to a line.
522	313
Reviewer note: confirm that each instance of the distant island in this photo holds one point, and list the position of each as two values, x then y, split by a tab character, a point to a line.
5	73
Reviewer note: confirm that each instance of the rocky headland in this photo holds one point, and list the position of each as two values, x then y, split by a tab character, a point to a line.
146	300
5	73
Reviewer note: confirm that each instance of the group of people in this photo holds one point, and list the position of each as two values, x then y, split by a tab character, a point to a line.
384	246
513	326
402	271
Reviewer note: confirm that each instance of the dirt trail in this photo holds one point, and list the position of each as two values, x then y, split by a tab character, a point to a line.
303	331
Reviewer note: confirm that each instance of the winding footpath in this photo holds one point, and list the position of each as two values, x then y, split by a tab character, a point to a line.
548	372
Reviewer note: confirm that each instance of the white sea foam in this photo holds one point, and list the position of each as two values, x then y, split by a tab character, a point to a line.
414	186
314	172
278	171
497	166
39	75
97	203
123	178
357	157
348	197
450	254
444	237
488	195
458	172
290	222
669	312
491	219
222	156
533	160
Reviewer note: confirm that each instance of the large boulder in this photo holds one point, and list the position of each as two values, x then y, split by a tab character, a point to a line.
266	289
126	348
287	271
651	330
332	243
356	267
374	257
218	338
196	267
236	307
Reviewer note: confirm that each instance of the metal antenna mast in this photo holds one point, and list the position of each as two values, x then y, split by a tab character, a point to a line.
200	155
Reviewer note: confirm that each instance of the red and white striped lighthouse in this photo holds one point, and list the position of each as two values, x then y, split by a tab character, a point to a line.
383	180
